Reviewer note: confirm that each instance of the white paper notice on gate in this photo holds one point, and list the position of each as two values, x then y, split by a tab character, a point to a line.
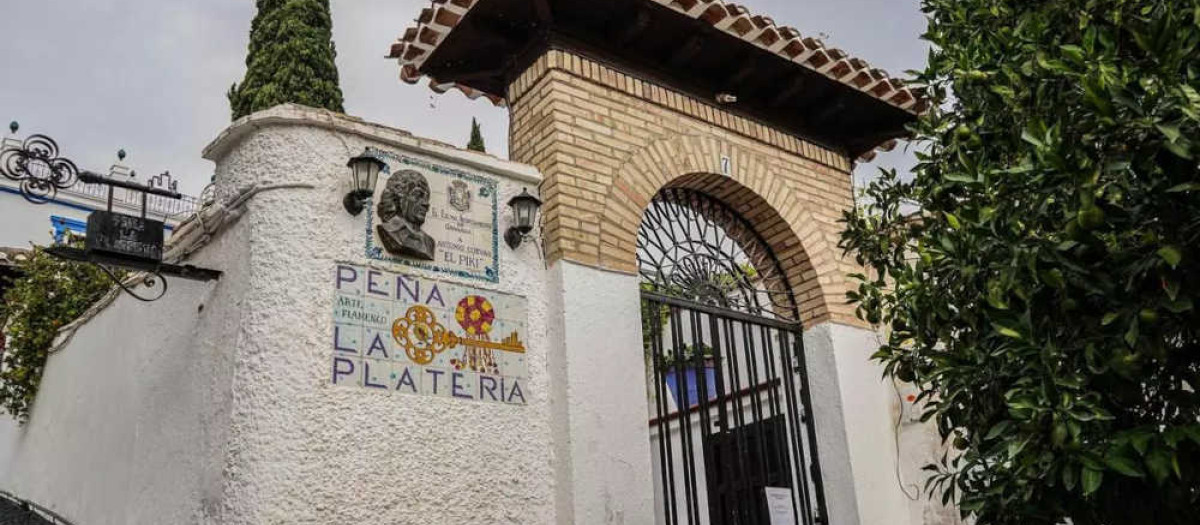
779	506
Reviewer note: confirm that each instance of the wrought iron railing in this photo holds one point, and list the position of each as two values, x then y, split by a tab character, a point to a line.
170	209
33	166
15	511
155	205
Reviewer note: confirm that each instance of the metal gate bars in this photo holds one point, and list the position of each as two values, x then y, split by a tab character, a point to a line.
731	418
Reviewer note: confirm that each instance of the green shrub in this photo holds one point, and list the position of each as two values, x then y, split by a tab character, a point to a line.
1042	294
50	294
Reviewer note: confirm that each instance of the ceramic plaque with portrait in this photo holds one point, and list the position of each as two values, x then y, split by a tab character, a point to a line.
435	218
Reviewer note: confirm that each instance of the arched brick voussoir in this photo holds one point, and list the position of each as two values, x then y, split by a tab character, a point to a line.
753	189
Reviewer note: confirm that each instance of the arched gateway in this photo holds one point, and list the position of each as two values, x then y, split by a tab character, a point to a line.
728	381
697	161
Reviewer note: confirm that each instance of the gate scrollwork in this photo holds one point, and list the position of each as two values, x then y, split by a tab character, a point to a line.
694	247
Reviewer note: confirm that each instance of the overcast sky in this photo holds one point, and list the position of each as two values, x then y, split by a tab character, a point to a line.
150	76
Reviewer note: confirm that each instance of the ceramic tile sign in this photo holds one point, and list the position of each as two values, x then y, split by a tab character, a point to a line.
402	334
462	220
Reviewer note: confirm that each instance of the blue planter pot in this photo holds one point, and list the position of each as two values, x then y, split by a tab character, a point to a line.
691	385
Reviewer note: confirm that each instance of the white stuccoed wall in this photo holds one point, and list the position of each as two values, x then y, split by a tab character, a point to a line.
131	421
306	452
26	223
853	410
601	435
857	411
163	414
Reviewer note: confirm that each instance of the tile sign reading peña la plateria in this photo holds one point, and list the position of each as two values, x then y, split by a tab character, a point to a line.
435	218
402	334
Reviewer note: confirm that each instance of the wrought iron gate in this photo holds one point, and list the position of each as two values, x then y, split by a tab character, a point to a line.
727	378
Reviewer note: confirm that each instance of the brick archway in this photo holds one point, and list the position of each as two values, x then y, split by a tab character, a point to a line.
754	188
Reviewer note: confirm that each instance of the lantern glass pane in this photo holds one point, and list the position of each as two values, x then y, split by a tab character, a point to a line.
356	172
525	212
372	176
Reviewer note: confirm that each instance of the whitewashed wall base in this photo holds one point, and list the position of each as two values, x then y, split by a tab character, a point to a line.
602	426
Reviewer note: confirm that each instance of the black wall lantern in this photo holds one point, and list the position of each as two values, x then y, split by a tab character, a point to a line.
364	173
525	209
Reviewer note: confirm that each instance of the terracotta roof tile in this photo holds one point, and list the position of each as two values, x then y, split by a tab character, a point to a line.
439	20
416	45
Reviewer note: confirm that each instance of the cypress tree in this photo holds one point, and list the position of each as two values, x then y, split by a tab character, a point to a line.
476	143
291	59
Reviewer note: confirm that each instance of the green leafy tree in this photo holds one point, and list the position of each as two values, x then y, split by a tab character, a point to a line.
1039	273
476	143
291	59
49	294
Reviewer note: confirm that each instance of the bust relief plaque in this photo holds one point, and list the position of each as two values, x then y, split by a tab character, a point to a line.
435	217
403	208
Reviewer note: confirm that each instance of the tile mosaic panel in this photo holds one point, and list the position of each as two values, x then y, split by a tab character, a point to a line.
398	333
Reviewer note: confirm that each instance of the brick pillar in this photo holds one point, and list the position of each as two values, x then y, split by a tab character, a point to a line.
606	142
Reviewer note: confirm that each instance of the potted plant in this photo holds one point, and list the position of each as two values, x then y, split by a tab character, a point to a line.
692	362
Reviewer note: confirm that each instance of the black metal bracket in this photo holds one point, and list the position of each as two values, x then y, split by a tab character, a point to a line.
356	201
158	272
95	178
189	272
513	237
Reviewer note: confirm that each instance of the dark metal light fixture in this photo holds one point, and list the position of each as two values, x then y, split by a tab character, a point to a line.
525	209
364	173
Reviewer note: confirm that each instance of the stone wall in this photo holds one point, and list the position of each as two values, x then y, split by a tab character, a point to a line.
216	405
305	451
131	420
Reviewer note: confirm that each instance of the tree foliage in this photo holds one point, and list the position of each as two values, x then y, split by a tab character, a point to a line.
49	294
291	59
476	143
1043	297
